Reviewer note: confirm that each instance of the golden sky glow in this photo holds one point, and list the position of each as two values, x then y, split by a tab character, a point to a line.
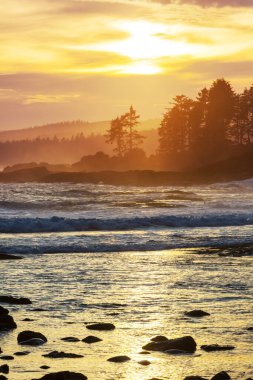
70	42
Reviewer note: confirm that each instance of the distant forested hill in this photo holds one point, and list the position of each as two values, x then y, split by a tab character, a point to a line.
67	129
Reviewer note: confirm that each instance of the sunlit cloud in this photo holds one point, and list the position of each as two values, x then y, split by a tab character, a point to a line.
73	52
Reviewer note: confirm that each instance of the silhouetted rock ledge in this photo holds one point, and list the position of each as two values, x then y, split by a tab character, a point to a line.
63	375
196	313
101	326
15	300
186	343
31	338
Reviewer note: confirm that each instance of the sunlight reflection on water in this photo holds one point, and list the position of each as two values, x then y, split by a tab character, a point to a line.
144	294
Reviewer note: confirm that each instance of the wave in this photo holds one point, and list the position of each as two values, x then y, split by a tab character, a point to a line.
62	224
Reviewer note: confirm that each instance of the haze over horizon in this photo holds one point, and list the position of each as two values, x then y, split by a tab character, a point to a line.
89	60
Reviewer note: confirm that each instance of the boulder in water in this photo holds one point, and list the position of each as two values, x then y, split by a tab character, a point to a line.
185	343
31	338
7	322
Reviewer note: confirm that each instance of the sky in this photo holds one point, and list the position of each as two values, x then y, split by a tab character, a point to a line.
90	60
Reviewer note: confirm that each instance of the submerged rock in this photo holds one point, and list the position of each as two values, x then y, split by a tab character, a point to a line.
22	353
196	313
144	362
216	347
61	354
221	376
101	326
70	339
119	359
185	343
31	338
15	301
7	322
64	375
91	339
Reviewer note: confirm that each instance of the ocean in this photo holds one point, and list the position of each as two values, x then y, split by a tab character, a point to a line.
51	218
128	256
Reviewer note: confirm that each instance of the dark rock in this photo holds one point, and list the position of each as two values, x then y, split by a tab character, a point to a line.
186	343
216	347
4	368
22	353
3	311
45	367
70	339
221	376
7	322
27	320
176	352
91	339
31	338
101	326
197	313
2	377
159	338
61	354
64	375
250	328
144	353
194	378
38	309
119	359
4	256
144	362
7	357
15	301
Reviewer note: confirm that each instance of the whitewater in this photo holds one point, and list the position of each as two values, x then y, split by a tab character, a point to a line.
54	218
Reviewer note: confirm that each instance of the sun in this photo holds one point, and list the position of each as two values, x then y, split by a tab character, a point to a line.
145	44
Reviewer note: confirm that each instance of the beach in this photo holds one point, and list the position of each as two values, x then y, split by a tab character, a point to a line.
144	294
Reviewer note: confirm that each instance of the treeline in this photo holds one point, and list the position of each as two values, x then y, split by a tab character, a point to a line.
54	150
216	121
215	125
